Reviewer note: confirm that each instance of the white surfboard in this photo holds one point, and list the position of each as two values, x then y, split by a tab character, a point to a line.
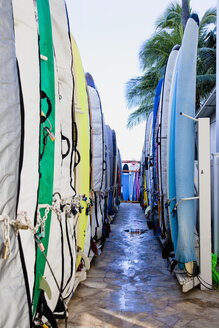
164	130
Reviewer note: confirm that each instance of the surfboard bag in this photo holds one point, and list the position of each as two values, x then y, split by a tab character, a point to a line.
118	178
98	157
26	37
115	173
12	269
110	176
62	229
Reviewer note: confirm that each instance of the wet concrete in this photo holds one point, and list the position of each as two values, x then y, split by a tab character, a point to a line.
129	285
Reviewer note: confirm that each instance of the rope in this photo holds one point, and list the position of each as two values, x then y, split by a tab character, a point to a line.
59	206
7	248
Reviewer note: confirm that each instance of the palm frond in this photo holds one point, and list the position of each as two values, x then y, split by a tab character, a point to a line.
204	85
170	17
156	50
205	79
207	56
140	89
209	17
139	115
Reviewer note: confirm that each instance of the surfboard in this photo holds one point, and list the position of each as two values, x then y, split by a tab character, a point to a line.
125	182
171	188
134	186
115	171
131	182
185	141
145	203
47	145
157	212
111	172
142	182
148	133
148	211
118	179
26	37
94	208
107	173
188	101
98	150
154	157
137	186
61	249
12	265
132	167
103	193
163	139
82	170
141	177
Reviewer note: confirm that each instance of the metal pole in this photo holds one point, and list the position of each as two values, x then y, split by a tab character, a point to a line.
217	84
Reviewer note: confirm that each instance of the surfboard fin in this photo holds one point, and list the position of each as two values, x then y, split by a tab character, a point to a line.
173	266
94	247
147	210
85	259
45	287
189	266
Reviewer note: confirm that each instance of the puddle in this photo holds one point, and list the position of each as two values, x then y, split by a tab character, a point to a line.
133	231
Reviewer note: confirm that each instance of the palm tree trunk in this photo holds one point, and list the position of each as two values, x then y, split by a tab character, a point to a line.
198	100
185	12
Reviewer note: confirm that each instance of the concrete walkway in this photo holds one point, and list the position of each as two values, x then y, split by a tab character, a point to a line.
129	285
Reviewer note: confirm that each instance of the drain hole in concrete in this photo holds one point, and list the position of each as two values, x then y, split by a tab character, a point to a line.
133	231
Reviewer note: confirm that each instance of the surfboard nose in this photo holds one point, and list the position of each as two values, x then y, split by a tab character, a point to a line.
176	47
195	17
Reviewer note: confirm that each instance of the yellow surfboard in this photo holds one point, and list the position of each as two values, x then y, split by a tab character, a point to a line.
145	191
149	170
82	169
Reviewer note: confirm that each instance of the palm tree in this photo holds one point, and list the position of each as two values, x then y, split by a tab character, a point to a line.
185	12
154	54
206	64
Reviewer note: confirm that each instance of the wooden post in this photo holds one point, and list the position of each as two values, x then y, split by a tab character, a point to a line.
204	202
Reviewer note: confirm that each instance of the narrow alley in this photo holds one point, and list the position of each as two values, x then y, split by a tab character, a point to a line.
130	285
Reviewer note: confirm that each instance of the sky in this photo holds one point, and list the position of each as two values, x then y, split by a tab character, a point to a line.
109	35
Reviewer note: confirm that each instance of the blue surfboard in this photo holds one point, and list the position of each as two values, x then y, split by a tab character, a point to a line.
125	182
185	141
154	157
171	187
181	146
131	185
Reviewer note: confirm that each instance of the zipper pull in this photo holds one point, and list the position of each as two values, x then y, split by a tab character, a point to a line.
41	247
51	135
5	254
